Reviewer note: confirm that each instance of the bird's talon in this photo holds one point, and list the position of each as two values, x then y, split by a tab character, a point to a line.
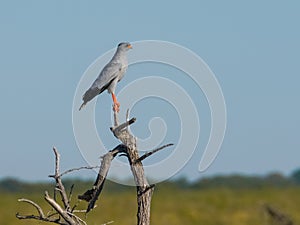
116	107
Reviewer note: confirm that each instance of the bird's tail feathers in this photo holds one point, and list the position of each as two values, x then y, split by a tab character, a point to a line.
89	95
82	105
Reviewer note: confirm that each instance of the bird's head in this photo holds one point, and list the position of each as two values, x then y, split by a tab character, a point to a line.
124	46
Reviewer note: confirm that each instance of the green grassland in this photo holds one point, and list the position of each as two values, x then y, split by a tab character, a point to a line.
172	205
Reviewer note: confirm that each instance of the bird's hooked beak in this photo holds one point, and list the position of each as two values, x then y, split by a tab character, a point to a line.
129	46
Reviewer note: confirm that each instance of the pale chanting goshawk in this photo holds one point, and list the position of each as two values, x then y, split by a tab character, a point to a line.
108	78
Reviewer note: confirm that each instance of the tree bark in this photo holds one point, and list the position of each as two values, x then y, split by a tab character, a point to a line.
144	190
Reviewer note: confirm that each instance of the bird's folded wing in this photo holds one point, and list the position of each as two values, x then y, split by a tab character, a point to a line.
109	73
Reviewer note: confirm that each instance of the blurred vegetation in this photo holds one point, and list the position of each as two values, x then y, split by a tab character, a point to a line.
234	181
232	199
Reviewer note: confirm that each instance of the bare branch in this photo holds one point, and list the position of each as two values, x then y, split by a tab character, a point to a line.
79	211
116	120
127	118
64	214
41	215
58	214
38	208
108	223
71	193
59	184
152	152
79	220
143	189
57	221
120	127
75	169
92	195
150	187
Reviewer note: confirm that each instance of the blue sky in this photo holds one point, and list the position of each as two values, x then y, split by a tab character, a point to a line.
252	48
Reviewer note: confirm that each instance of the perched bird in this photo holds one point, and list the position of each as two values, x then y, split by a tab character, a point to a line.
108	78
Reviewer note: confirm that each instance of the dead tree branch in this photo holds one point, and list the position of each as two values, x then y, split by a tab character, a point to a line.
152	152
76	169
68	219
144	190
38	208
64	214
130	150
59	185
45	219
92	195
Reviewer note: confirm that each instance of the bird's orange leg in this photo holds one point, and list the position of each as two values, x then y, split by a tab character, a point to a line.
116	106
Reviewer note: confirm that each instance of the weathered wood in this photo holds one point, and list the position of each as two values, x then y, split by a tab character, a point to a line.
74	169
59	185
152	152
127	148
64	214
45	219
144	193
92	195
38	208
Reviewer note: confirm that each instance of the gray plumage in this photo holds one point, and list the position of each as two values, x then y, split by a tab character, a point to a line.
111	74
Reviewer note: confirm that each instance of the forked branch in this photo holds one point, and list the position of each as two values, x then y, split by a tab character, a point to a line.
64	213
144	190
38	208
152	152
